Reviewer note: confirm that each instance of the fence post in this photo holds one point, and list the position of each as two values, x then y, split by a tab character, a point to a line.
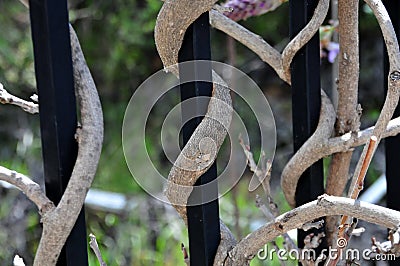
392	144
306	101
58	122
203	220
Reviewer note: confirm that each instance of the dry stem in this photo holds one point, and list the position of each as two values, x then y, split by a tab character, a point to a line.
30	188
95	247
7	98
348	117
325	205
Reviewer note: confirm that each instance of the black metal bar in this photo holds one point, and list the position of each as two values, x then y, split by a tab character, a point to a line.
392	144
306	101
203	220
58	121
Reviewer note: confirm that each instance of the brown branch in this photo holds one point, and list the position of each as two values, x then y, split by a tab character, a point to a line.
317	150
307	154
207	140
254	42
348	115
326	205
304	36
7	98
30	188
393	93
172	22
358	186
58	225
364	167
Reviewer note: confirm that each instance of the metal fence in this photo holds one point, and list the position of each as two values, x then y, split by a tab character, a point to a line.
53	66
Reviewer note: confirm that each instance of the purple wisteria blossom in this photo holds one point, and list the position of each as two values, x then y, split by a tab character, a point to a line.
329	48
243	9
333	51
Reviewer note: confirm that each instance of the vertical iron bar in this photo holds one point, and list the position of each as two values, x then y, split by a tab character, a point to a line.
392	144
306	101
58	121
203	220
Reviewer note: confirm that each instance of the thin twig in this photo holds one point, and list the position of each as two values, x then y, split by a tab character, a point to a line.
30	188
354	195
263	175
367	161
95	247
342	242
263	208
185	254
8	98
254	42
359	185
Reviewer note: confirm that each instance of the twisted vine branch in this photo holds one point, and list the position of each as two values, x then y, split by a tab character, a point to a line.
319	145
58	224
59	221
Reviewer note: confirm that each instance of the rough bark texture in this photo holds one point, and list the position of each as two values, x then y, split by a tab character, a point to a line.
312	150
172	22
58	223
202	148
348	116
393	93
318	146
325	205
304	36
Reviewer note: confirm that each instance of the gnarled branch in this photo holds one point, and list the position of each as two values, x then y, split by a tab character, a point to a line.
58	224
310	152
304	36
325	205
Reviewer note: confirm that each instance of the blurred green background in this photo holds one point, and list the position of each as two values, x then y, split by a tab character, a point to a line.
117	39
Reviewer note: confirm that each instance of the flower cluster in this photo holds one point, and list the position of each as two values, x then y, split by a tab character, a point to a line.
243	9
329	48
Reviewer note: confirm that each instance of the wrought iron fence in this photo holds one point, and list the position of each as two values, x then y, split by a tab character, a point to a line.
53	67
